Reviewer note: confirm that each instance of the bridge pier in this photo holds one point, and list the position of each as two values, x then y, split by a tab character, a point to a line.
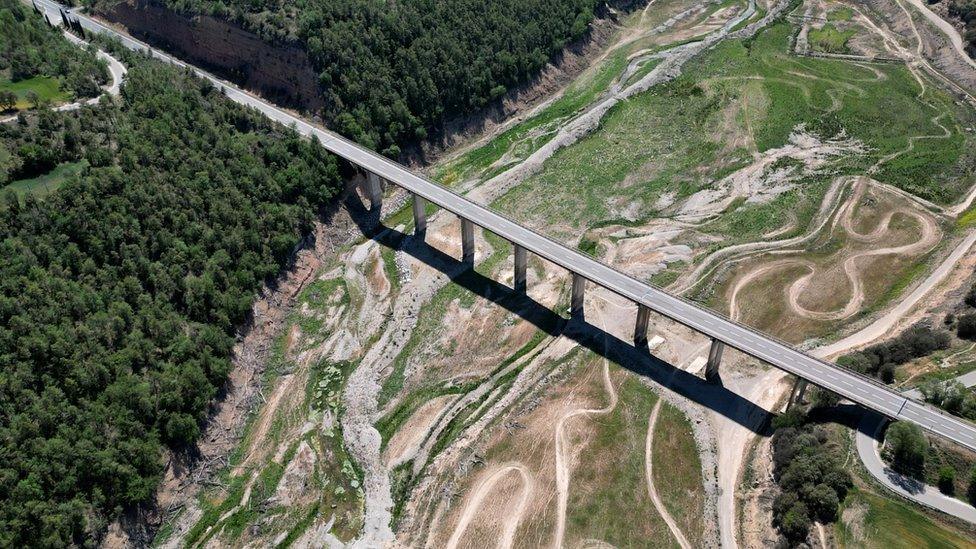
419	215
374	191
576	305
714	359
467	242
640	329
796	394
521	261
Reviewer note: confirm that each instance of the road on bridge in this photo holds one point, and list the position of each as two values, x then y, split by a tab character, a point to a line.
860	389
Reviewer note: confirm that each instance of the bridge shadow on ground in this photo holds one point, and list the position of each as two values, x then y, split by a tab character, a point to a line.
639	360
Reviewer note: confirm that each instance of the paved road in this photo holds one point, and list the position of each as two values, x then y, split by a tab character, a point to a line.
116	70
867	449
859	389
947	29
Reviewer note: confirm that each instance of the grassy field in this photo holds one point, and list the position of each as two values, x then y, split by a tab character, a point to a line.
46	184
840	14
871	521
520	140
608	497
678	138
678	471
47	88
829	39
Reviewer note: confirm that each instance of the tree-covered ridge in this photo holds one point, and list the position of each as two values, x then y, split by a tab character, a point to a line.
30	47
120	293
392	71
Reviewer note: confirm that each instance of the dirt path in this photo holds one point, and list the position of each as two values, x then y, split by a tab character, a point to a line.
563	459
575	129
484	488
929	238
765	391
930	235
651	490
946	29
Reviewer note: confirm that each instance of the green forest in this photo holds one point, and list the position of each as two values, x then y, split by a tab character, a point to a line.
121	293
30	48
390	72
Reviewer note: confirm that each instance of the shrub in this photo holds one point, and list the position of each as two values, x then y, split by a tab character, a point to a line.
905	447
795	523
881	360
811	481
823	502
970	298
947	480
822	398
966	326
887	372
971	490
794	417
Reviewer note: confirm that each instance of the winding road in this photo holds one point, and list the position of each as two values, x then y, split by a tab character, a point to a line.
116	71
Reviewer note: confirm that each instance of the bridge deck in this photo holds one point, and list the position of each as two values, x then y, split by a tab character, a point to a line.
857	388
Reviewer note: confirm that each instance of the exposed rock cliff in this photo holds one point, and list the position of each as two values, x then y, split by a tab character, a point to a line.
280	72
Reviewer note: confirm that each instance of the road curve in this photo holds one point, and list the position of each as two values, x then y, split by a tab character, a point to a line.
860	389
951	33
868	433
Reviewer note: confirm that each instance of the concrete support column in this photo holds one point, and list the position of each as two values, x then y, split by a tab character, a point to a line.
374	191
640	329
521	261
419	215
802	390
796	394
467	241
714	359
576	306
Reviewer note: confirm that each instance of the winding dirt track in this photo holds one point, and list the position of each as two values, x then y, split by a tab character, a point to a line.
484	488
930	235
562	457
651	490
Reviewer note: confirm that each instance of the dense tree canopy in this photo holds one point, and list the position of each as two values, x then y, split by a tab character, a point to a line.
811	480
120	293
905	447
391	71
30	47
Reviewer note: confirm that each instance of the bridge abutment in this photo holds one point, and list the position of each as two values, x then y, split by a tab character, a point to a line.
714	359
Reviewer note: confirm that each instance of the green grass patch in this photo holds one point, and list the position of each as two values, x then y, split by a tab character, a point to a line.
528	136
43	185
47	88
390	267
887	523
678	471
829	39
967	219
840	14
609	499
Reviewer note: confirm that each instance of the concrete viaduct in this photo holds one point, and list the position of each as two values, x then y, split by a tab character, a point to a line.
584	269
